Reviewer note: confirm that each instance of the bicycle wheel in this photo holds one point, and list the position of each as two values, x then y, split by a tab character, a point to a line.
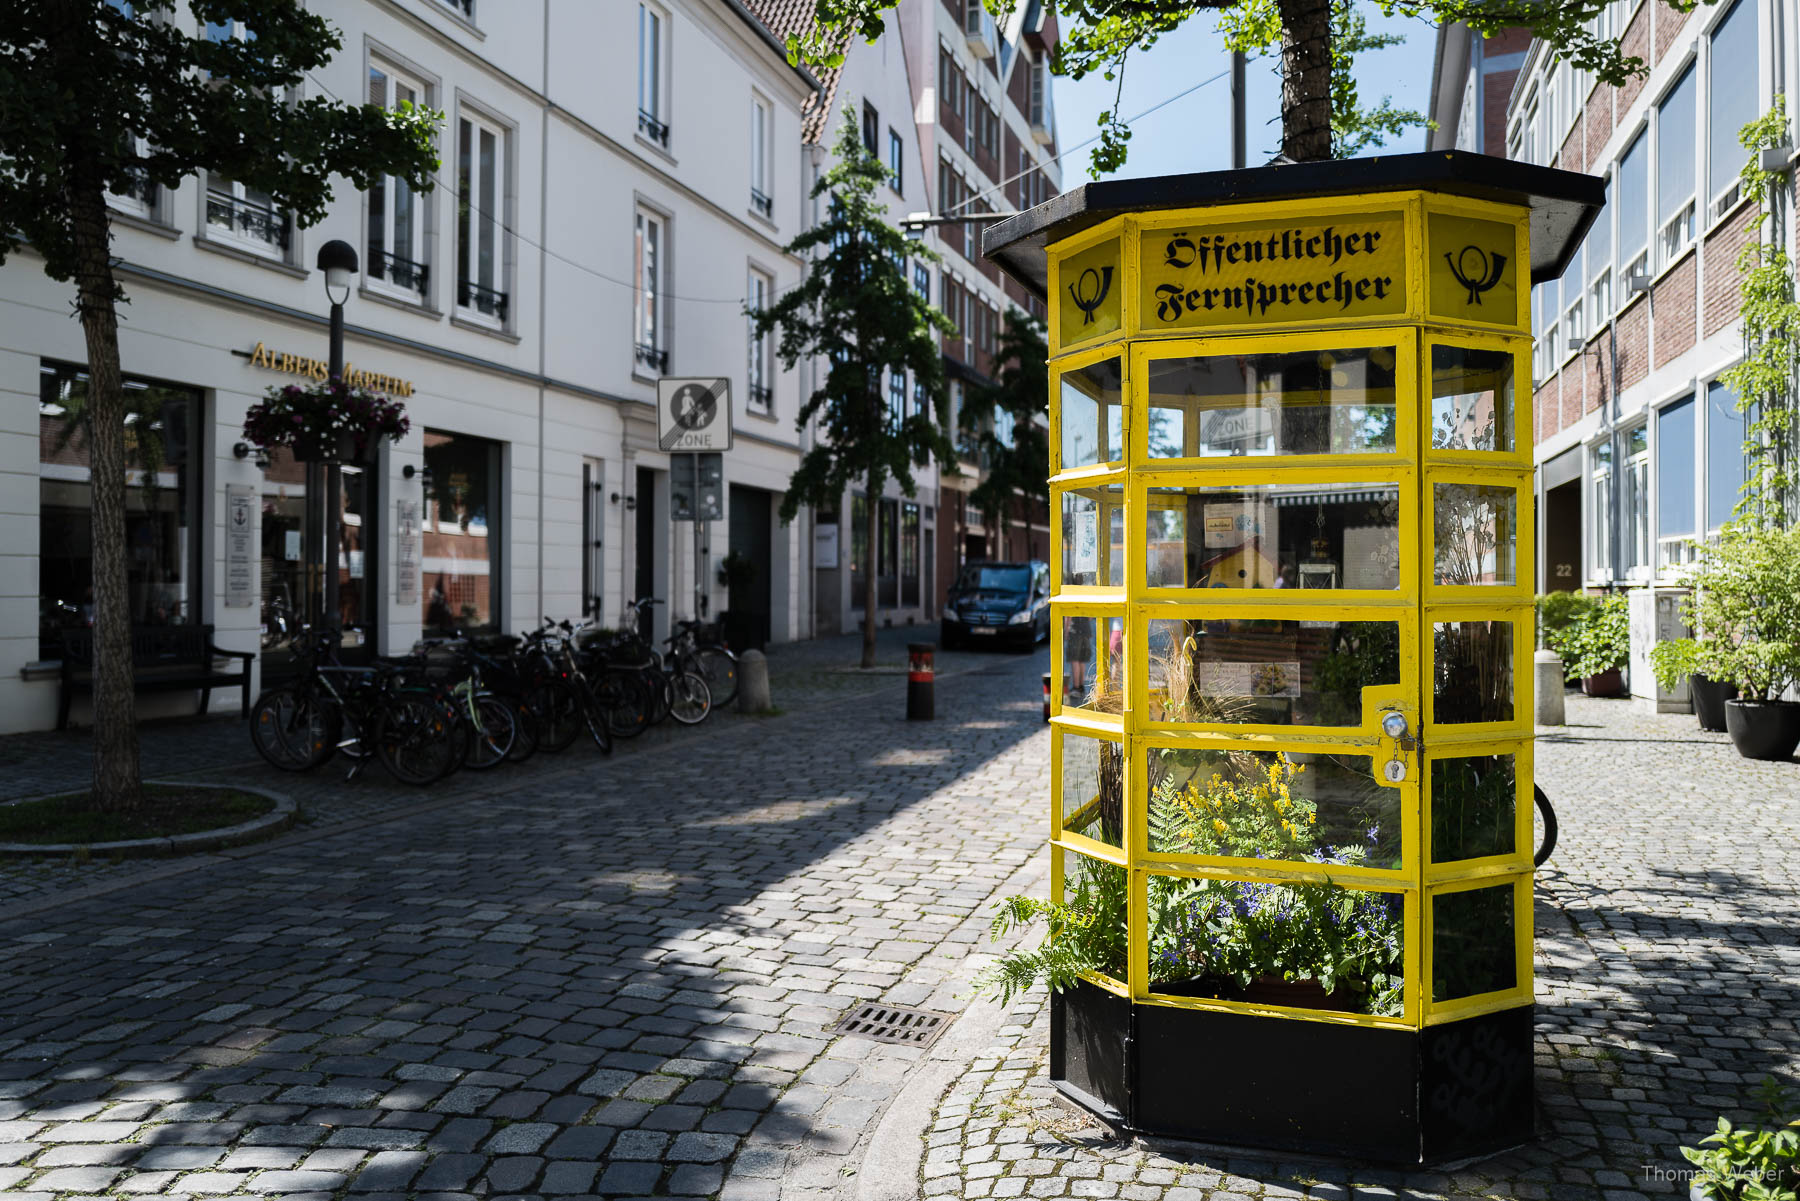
525	743
493	730
719	666
556	712
627	700
594	717
656	680
415	738
691	699
292	729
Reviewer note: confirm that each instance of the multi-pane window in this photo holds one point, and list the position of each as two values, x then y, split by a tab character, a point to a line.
1599	268
922	280
136	193
951	85
1674	482
896	161
1731	102
871	130
653	123
1544	311
1600	536
396	215
480	197
1634	501
235	212
1675	170
1573	294
760	138
1038	111
593	536
648	248
896	397
1634	211
762	393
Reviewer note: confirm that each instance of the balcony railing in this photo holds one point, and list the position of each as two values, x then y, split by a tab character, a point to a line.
762	203
762	398
652	357
650	127
401	272
486	301
247	219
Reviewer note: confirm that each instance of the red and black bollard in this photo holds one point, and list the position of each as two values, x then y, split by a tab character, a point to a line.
921	674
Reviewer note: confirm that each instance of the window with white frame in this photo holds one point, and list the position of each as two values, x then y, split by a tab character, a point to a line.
1598	254
1675	483
1600	531
1574	329
1634	502
921	404
1544	311
922	280
593	537
653	122
1038	113
761	139
1731	94
236	213
896	161
649	246
1634	213
896	397
136	194
1675	170
396	223
1726	466
480	219
762	391
465	7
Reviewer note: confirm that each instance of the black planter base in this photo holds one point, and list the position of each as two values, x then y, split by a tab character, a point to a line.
1444	1093
1763	729
1709	697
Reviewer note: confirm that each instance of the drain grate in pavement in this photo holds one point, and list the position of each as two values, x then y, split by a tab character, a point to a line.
895	1024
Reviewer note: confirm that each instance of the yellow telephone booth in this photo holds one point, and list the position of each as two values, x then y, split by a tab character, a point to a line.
1290	439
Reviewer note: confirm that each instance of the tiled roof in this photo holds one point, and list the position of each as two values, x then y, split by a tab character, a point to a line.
798	16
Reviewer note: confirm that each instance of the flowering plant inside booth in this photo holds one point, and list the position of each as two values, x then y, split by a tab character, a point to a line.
1303	944
326	421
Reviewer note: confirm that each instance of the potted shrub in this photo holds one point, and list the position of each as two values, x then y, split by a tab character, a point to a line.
1749	603
1691	658
329	422
1595	642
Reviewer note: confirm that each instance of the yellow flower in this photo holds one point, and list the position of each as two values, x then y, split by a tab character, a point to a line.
1312	818
1218	825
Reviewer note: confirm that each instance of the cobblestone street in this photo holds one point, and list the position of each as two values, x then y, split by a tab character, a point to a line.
618	977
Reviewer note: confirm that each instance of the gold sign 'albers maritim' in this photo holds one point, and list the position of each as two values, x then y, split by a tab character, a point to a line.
1275	272
319	369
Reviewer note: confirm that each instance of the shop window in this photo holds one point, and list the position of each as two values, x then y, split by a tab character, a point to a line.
1731	103
1634	213
480	220
1725	466
1675	170
463	528
1313	402
163	491
1675	454
1325	536
1227	671
397	214
1471	399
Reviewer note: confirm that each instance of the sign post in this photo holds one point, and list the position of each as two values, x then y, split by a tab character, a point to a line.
693	423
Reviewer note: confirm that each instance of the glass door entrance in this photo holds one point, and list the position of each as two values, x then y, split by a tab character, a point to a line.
294	561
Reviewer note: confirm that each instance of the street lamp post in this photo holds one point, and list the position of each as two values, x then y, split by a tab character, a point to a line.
337	259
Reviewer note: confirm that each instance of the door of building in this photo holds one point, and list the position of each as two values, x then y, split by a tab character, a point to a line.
644	577
751	537
294	561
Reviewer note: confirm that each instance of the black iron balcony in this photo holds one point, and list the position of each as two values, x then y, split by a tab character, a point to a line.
246	218
650	127
652	357
761	203
762	397
486	301
401	272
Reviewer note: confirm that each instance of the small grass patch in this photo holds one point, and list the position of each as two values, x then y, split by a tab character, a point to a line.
168	809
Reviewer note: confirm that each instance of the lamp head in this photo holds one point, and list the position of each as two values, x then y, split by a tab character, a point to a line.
337	259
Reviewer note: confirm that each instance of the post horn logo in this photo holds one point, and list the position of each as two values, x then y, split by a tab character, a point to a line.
1486	273
1101	286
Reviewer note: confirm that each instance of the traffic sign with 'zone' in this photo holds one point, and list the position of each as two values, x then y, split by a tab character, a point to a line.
693	414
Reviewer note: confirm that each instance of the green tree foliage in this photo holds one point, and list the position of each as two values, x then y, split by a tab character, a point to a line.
98	97
1317	40
857	312
1014	444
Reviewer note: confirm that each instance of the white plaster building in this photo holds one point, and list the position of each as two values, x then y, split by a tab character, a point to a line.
616	179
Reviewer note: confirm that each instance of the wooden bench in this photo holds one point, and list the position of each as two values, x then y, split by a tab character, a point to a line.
175	658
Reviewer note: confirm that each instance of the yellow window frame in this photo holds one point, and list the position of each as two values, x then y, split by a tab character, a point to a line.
1096	719
1094	487
1524	805
1061	831
1073	364
1521	616
1520	993
1059	872
1402	340
1524	535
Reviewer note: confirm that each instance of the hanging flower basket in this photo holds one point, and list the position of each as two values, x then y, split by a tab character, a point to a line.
325	423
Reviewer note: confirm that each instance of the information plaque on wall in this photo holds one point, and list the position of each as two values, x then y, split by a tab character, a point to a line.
407	537
240	535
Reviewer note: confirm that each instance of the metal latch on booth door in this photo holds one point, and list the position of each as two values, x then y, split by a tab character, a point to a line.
1395	726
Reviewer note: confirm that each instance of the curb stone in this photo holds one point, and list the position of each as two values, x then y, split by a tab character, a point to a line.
278	819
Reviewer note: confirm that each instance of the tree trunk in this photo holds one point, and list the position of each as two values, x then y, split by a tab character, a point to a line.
118	785
871	529
1305	79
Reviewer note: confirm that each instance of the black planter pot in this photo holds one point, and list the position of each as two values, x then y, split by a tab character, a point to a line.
1709	697
1763	729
